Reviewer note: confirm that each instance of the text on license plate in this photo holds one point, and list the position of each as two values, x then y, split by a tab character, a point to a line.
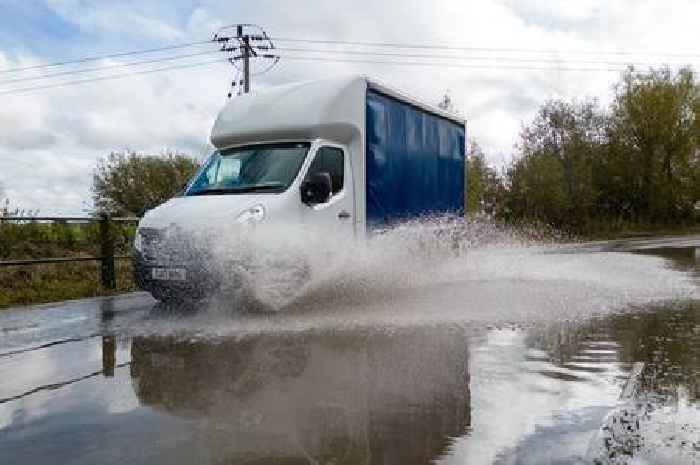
169	274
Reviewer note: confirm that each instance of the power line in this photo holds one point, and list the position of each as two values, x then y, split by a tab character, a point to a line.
275	61
261	45
445	65
305	58
330	52
105	78
102	68
102	57
482	49
463	57
357	43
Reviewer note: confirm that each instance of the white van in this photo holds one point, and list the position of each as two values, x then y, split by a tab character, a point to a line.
347	153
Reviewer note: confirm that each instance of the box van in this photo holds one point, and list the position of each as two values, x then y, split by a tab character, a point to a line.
347	154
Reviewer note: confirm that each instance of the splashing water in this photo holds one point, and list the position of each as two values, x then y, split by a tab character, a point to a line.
276	269
432	270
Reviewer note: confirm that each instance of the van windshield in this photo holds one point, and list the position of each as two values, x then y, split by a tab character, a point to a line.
256	168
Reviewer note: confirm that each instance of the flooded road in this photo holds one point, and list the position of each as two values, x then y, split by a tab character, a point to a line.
562	356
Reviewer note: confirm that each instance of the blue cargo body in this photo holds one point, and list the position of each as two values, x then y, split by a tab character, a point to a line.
415	163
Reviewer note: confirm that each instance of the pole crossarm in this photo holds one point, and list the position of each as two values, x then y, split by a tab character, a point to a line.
239	49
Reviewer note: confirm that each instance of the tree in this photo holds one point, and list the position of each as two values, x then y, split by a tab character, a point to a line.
639	162
447	104
8	209
128	183
484	188
5	207
538	189
655	122
553	178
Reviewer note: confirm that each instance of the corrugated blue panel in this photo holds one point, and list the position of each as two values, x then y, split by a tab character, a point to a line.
415	161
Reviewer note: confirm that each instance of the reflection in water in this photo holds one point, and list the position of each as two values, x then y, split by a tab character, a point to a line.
331	397
657	417
109	356
109	342
680	258
665	338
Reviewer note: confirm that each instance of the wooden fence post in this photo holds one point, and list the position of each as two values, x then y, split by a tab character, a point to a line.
109	280
109	356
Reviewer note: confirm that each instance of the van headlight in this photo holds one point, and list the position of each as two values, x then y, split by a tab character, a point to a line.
252	215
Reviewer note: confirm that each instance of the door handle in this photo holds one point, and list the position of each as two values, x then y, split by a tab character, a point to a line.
343	215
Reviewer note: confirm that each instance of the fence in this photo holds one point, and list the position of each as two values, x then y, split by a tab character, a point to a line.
107	256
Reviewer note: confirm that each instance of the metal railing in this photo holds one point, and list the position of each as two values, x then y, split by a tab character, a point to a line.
107	255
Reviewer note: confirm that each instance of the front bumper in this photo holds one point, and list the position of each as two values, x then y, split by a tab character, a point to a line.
199	281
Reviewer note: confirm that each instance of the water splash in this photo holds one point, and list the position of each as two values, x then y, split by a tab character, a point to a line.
649	429
430	271
280	268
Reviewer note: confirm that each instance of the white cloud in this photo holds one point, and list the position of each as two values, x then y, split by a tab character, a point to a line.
50	140
114	18
556	13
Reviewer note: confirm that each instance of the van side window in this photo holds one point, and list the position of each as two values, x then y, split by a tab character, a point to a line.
330	160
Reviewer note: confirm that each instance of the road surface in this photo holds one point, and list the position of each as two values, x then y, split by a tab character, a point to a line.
504	355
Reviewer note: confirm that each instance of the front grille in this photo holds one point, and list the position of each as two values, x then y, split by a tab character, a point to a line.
151	241
160	246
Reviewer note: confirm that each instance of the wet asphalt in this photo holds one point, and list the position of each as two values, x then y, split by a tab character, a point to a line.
455	372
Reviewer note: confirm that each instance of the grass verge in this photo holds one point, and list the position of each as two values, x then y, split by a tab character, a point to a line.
35	284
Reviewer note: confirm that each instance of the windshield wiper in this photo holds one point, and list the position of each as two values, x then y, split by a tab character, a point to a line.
240	189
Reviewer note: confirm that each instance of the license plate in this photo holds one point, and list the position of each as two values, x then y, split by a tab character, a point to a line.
169	274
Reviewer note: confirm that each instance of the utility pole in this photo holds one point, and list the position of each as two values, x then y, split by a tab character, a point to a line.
245	40
244	46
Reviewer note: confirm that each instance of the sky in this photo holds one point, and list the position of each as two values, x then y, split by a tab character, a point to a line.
51	139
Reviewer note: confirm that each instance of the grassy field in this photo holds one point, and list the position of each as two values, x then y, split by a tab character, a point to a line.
31	284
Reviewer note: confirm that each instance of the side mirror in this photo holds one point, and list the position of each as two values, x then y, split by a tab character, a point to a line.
316	189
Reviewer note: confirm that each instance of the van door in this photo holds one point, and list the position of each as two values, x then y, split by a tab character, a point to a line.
338	212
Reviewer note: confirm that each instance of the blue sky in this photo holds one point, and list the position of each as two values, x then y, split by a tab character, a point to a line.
63	29
29	27
50	140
